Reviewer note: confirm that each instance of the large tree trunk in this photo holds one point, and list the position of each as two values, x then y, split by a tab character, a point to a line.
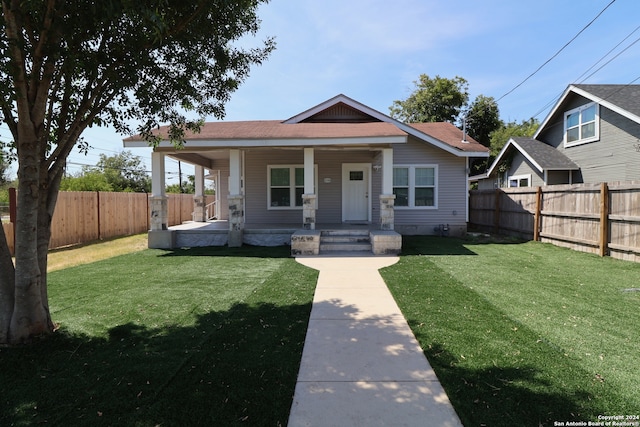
30	315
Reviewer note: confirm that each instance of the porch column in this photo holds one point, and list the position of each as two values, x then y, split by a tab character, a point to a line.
309	196
387	197
199	201
158	199
236	199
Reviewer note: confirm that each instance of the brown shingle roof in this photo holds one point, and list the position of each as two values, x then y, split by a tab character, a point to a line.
450	135
274	129
258	130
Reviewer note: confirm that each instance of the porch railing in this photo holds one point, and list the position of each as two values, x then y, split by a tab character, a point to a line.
212	211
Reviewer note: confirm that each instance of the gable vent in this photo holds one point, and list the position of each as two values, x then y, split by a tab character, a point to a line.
340	113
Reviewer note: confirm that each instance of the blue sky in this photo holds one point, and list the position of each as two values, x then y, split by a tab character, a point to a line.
373	51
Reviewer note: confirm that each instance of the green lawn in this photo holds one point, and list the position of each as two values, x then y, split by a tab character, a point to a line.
523	333
518	333
206	337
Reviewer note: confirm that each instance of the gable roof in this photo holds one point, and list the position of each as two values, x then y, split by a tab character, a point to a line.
337	121
542	156
440	134
623	99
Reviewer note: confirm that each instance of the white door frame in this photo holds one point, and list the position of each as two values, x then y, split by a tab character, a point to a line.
366	167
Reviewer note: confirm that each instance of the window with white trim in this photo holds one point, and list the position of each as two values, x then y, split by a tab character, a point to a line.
285	186
581	125
415	186
519	181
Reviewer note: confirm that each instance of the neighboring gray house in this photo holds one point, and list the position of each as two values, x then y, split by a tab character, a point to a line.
336	165
592	135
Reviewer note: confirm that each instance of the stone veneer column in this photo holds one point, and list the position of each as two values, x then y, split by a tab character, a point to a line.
309	211
199	211
387	217
159	213
236	220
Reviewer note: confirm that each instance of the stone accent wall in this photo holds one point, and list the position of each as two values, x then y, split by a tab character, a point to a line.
385	242
305	242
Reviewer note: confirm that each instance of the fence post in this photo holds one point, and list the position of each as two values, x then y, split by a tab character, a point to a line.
98	209
496	212
604	219
536	216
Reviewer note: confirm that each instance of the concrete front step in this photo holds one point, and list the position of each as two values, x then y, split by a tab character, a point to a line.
345	241
329	233
345	247
341	242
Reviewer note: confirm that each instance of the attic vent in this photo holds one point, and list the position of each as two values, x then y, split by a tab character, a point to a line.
340	113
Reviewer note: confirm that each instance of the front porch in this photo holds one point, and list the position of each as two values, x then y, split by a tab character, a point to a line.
325	238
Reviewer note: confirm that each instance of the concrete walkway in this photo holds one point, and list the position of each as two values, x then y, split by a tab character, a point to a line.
361	364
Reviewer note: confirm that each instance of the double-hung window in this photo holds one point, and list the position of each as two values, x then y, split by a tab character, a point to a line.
519	181
415	186
285	186
581	125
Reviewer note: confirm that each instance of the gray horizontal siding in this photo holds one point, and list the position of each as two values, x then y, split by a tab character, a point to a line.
612	158
520	166
329	193
452	190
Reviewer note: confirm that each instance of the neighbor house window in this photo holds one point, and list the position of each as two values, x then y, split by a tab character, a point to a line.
285	186
519	181
581	125
415	186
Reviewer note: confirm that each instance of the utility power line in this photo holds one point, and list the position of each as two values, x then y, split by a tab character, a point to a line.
558	52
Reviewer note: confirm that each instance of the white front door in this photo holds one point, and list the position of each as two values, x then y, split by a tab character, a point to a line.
355	192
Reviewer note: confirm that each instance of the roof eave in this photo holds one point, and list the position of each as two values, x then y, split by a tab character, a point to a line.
276	142
588	95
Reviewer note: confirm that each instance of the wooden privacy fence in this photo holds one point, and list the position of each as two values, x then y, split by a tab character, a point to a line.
598	218
85	216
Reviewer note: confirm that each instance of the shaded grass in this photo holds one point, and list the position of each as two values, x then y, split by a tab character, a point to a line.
523	333
206	336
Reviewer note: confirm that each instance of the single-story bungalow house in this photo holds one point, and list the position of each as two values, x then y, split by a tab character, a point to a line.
591	135
339	165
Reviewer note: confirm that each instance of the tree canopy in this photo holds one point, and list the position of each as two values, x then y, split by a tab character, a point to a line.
66	66
482	119
499	137
502	135
441	99
120	172
437	99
